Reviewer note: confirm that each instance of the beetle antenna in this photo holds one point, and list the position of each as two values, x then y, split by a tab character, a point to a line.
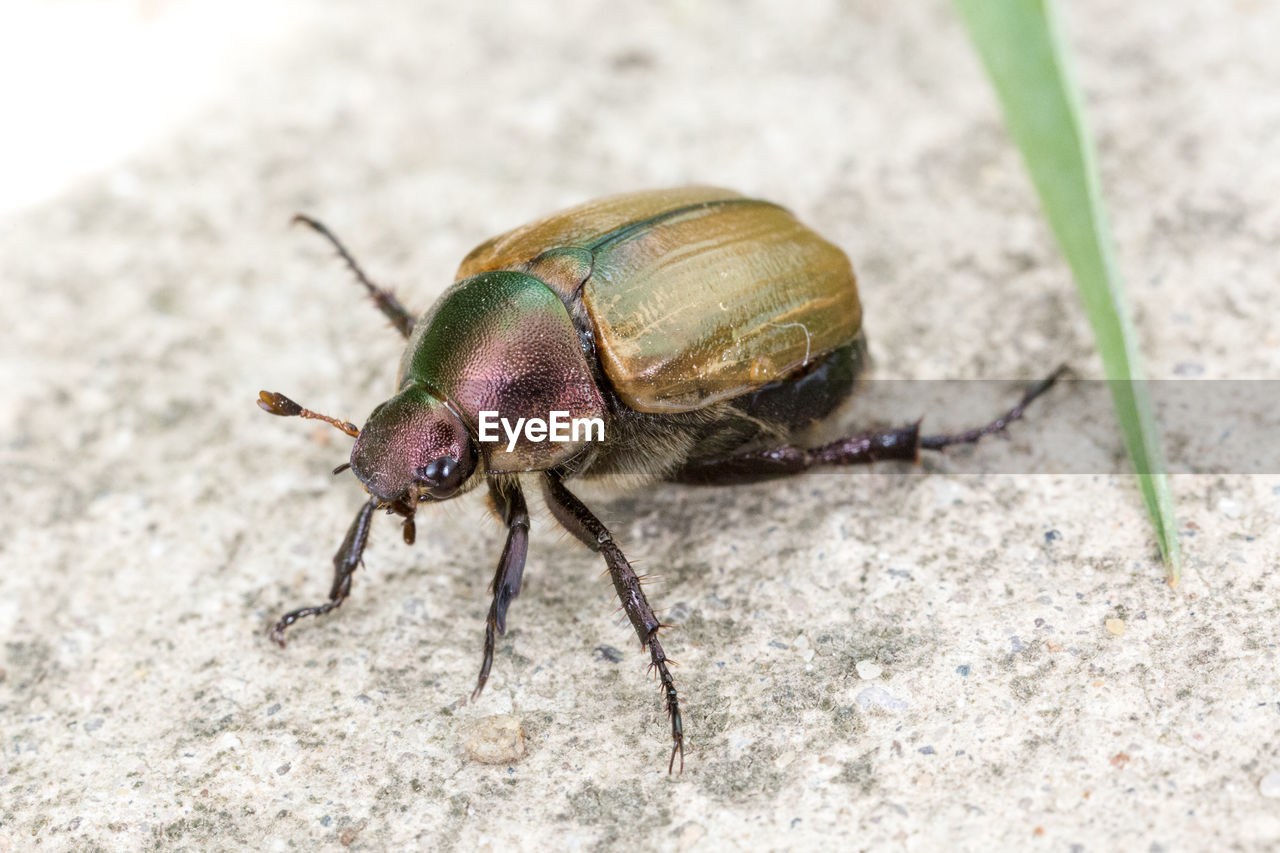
275	403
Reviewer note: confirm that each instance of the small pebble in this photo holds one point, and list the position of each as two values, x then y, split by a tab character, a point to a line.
868	669
688	836
1230	508
1270	785
880	698
1116	626
496	739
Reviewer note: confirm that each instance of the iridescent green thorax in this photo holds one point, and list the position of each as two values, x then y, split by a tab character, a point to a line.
504	342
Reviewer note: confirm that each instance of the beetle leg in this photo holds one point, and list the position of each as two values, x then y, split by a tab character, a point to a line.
972	436
875	446
574	516
385	300
902	443
508	501
345	563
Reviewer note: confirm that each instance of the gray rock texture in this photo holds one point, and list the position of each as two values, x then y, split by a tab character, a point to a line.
903	658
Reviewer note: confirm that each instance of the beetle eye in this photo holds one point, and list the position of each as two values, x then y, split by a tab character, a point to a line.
441	476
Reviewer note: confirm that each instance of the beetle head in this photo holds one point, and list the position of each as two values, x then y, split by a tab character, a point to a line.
413	448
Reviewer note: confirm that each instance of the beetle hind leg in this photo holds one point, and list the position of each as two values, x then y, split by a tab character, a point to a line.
345	562
901	443
972	436
574	516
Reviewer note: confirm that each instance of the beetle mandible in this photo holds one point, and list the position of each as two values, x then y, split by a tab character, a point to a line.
706	330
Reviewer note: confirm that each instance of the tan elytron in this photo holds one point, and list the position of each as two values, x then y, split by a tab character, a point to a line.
695	294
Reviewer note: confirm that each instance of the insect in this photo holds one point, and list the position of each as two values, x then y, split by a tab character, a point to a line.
703	330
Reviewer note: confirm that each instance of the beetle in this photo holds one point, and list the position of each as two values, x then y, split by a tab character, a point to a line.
704	329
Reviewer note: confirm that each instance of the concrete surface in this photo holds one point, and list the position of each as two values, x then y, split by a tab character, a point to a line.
887	660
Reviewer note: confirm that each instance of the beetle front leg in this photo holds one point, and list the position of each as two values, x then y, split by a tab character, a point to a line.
345	562
508	502
574	516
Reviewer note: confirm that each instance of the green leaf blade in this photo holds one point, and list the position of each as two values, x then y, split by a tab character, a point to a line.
1021	46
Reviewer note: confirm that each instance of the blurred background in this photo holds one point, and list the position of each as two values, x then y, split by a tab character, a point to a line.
919	657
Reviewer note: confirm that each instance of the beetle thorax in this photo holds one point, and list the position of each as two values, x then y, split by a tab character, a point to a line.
503	342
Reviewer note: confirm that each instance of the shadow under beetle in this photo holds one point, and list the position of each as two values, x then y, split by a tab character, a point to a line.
707	331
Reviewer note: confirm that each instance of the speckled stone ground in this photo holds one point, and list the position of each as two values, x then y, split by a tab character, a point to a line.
888	659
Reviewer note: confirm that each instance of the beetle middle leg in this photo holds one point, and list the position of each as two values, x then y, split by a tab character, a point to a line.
900	443
345	562
574	516
385	300
508	502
